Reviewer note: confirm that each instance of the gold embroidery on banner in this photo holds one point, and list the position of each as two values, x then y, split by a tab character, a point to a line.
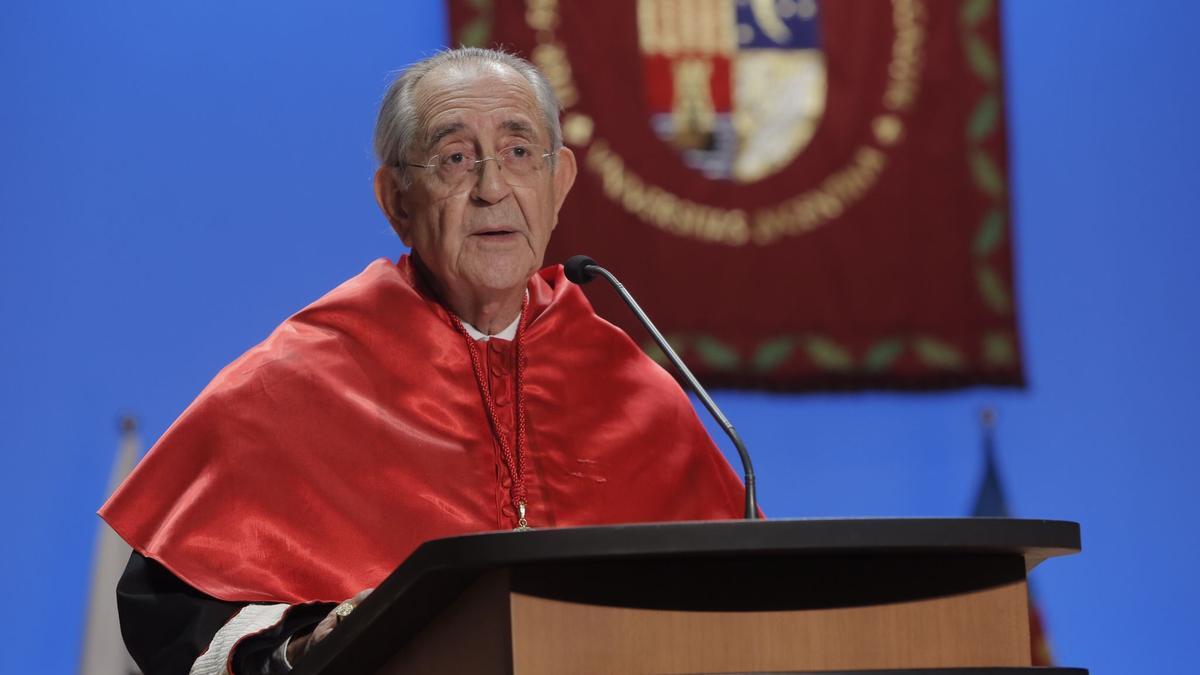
693	110
542	15
649	35
577	128
887	128
828	201
671	26
551	59
674	27
663	209
904	71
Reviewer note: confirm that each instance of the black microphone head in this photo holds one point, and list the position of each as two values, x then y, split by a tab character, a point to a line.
576	268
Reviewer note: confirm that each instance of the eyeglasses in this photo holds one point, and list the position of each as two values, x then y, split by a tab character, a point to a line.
518	162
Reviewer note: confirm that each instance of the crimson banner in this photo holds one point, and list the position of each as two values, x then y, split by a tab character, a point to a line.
803	194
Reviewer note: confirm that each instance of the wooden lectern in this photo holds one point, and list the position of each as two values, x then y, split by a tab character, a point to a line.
862	595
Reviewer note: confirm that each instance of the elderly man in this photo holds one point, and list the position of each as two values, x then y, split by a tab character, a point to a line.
458	390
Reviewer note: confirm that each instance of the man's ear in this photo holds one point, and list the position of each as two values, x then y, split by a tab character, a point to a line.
564	177
389	194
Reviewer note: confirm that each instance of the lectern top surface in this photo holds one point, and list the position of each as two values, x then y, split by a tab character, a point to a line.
1035	540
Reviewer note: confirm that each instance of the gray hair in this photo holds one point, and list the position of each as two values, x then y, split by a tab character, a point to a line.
397	124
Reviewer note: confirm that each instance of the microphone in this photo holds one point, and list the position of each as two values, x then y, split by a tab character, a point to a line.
581	269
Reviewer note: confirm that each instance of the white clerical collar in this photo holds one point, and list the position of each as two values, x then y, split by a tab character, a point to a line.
507	334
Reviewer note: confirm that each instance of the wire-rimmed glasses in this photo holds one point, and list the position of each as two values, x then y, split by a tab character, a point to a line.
517	162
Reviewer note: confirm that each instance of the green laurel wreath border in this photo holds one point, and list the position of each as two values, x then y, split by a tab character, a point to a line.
982	125
823	352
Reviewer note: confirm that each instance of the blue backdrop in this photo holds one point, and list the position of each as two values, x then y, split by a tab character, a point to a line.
176	178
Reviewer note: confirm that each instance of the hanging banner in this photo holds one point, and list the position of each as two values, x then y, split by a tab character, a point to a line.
802	194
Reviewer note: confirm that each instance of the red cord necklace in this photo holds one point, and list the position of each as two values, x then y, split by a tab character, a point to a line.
513	458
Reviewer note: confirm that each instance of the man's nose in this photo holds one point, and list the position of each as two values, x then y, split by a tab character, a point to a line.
490	185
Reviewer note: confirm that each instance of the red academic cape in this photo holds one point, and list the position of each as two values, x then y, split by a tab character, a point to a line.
311	466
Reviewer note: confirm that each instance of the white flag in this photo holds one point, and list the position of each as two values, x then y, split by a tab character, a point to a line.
104	651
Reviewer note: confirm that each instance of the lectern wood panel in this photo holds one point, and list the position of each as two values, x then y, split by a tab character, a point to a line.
845	613
721	615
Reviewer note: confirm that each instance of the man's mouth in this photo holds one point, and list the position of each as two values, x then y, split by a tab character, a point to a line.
497	233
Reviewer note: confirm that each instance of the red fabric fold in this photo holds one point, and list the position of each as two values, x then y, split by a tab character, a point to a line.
314	464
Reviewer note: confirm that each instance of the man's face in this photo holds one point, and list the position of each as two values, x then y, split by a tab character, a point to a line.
489	233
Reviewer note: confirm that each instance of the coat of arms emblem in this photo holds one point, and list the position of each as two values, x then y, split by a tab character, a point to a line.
737	86
828	177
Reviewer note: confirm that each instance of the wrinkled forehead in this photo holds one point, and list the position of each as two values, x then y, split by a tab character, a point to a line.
471	99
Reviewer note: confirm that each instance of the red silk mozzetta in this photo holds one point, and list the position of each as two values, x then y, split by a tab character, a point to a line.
315	463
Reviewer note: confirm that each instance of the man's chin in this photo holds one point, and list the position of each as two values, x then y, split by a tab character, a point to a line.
499	276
